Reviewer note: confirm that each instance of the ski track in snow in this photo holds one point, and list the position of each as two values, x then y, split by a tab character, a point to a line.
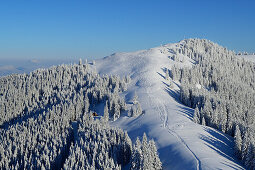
147	69
164	118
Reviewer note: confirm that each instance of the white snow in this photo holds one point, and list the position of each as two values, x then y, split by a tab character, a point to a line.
181	143
248	57
198	86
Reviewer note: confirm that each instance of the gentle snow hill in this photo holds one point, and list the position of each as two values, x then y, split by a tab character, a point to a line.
181	143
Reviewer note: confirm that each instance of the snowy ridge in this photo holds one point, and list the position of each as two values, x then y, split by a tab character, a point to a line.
181	143
248	57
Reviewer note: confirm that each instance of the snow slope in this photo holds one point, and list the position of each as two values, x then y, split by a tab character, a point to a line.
181	143
248	57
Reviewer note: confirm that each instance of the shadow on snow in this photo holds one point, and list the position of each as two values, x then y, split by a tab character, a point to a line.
220	143
216	140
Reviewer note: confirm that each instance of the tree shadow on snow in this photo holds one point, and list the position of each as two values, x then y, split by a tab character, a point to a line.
128	97
173	161
231	165
174	94
219	142
216	140
167	85
187	112
161	75
136	128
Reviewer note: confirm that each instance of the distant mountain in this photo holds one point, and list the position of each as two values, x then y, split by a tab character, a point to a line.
20	66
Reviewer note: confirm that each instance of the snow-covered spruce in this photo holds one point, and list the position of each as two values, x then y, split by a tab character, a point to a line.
226	99
23	95
145	155
100	147
39	112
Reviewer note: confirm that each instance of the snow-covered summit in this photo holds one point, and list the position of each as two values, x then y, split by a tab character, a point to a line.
181	143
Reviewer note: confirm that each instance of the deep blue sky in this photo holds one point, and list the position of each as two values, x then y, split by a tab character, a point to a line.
61	28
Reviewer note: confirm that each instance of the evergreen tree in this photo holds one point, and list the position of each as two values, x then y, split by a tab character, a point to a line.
154	158
136	156
106	112
135	99
238	141
139	109
167	75
196	117
203	121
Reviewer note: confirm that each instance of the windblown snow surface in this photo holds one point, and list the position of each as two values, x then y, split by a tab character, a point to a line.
181	143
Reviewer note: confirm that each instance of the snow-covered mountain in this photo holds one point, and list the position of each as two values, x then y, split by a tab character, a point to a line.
67	97
181	143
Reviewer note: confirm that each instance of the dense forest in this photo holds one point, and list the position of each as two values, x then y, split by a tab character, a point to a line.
221	88
48	121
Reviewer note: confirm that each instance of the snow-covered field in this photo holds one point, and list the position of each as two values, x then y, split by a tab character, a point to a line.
181	143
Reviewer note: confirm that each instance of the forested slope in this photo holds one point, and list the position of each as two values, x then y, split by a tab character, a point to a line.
47	121
221	88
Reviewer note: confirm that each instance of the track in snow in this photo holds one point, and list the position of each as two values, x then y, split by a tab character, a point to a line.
164	118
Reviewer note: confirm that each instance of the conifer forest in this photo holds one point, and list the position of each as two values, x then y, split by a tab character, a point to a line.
48	122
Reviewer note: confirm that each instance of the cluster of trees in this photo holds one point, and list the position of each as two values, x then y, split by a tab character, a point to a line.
100	147
46	119
23	95
245	53
226	98
144	155
136	109
37	143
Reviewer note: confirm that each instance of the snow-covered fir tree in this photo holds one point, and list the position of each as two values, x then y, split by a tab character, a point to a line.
144	155
47	121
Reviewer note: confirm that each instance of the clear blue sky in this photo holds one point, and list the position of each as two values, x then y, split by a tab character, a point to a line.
61	28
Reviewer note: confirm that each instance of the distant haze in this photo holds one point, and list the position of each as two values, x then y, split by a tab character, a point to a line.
10	66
